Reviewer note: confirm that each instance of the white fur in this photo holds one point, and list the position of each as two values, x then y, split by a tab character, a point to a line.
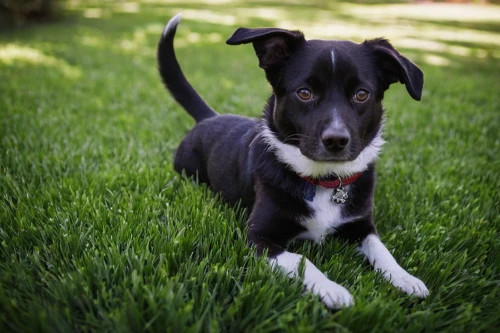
333	59
174	21
327	215
332	294
304	166
382	260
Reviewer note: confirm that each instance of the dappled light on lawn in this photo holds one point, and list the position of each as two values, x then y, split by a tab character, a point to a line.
12	54
436	28
436	60
444	30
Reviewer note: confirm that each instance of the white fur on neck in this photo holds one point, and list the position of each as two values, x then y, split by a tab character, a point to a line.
304	166
326	215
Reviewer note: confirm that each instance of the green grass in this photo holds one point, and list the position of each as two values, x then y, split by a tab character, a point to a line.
98	233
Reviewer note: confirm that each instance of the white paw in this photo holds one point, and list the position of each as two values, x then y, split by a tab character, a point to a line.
332	294
407	283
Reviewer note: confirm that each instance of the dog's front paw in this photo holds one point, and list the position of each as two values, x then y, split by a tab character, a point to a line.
407	283
332	294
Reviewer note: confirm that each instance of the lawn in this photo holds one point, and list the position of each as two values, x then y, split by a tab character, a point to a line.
98	233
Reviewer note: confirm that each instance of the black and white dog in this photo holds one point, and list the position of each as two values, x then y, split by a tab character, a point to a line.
307	168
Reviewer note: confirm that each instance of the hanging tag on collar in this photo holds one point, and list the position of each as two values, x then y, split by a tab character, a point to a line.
309	191
339	194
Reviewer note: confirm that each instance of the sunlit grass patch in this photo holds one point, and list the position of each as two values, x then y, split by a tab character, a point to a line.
12	54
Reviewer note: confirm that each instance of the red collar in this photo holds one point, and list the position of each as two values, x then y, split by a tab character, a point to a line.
333	182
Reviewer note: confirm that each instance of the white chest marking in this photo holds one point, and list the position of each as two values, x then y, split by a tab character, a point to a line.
327	215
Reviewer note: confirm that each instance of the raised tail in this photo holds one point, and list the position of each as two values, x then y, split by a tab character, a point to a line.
174	79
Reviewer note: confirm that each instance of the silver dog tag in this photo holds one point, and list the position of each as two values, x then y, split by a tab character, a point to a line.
339	195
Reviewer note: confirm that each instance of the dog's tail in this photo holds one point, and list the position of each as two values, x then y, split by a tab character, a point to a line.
174	79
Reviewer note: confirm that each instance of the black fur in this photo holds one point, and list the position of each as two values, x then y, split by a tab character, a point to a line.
174	79
231	154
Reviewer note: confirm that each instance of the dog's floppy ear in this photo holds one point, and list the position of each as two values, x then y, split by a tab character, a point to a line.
394	67
272	45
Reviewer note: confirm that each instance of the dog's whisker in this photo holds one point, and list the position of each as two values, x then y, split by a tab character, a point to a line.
296	137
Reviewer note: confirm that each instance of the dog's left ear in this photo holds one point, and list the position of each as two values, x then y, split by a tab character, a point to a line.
394	67
273	46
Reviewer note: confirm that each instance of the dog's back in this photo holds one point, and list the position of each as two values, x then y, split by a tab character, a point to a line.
205	153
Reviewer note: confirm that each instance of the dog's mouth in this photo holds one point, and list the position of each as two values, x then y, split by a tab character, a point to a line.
314	148
326	157
317	152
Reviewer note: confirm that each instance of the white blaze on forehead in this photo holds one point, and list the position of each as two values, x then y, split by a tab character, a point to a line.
333	59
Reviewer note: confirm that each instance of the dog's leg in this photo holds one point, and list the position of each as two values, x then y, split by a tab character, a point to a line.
272	226
187	159
332	294
382	260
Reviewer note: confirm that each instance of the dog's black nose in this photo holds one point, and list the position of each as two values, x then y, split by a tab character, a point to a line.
335	139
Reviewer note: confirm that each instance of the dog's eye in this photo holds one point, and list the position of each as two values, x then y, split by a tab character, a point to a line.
361	95
304	94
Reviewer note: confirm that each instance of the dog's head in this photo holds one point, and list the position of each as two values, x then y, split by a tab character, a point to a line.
328	94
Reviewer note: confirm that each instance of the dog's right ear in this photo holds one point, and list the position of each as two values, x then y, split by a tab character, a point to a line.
273	46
